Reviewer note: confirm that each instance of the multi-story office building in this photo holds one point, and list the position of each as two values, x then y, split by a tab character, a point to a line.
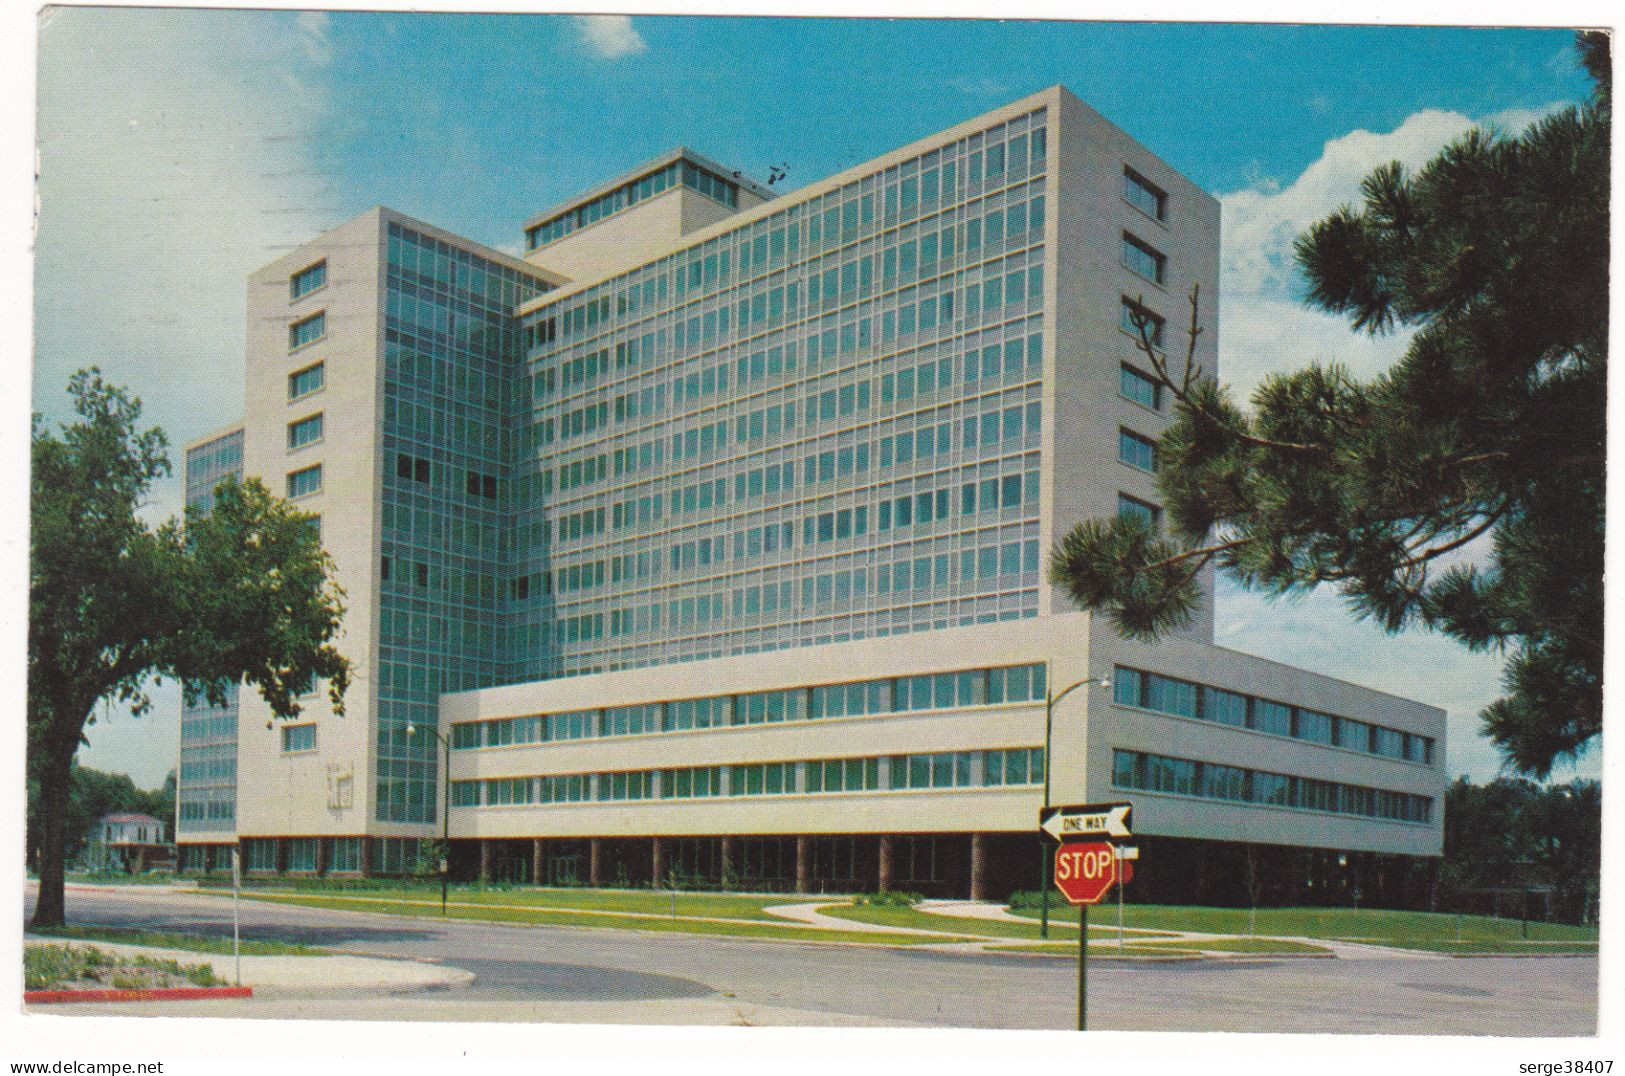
709	535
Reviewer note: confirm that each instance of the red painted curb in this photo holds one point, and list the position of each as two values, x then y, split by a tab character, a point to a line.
174	993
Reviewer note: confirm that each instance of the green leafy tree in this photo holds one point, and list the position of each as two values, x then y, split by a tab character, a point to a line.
1491	426
93	793
1513	834
241	595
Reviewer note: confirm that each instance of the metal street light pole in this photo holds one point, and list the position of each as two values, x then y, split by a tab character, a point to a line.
1050	700
445	812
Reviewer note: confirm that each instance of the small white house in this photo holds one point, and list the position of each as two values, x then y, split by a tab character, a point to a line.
135	841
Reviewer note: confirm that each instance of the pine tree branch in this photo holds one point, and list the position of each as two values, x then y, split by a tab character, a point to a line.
1434	552
1181	391
1207	553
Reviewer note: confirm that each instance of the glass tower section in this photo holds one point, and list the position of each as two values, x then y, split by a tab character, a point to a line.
820	426
451	352
206	788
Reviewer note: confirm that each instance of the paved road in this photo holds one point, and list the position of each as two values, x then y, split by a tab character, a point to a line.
570	974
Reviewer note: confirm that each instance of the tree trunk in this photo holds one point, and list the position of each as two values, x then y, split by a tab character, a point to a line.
49	910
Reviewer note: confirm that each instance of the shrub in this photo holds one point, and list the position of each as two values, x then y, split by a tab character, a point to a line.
47	967
891	898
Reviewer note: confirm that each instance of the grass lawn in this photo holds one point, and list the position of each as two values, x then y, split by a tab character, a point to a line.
1475	948
646	901
192	943
1376	926
543	916
119	878
1063	927
1265	946
1097	950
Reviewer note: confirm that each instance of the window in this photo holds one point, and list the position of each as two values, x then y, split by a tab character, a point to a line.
1144	195
1225	707
261	853
1141	388
1273	789
1156	773
1314	726
1388	742
308	280
305	482
1133	687
1128	687
1170	696
302	854
307	331
1221	782
1418	748
1136	450
298	738
479	485
411	468
306	381
1133	508
1355	735
1273	717
306	431
1143	260
1132	314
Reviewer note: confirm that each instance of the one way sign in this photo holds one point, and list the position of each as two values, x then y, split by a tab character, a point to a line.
1086	820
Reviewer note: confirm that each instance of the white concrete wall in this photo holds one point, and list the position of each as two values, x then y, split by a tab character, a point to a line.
1130	728
288	794
1083	406
628	238
641	233
1087	726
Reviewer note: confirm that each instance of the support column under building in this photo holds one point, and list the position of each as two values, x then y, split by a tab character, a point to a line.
595	861
657	862
978	866
730	847
538	861
887	858
485	860
366	856
803	864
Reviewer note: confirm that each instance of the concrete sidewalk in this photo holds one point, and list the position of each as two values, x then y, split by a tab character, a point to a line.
1342	950
807	914
293	974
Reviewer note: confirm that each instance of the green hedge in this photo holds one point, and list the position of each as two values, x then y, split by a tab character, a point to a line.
892	898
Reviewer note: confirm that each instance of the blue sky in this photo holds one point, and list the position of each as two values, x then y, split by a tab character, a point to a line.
179	150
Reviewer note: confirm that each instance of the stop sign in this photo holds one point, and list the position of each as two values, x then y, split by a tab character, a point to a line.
1085	870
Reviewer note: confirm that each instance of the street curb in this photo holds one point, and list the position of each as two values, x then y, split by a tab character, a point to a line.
176	993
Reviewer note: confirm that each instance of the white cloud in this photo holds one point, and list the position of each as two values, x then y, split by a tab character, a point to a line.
1263	328
610	37
1259	336
313	30
984	86
171	166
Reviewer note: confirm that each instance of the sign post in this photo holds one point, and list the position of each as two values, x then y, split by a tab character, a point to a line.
1084	873
1086	868
1126	856
236	896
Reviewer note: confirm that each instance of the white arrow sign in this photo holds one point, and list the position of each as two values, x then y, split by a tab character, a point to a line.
1107	819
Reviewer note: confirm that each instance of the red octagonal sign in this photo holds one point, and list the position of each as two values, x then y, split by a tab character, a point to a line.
1085	870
